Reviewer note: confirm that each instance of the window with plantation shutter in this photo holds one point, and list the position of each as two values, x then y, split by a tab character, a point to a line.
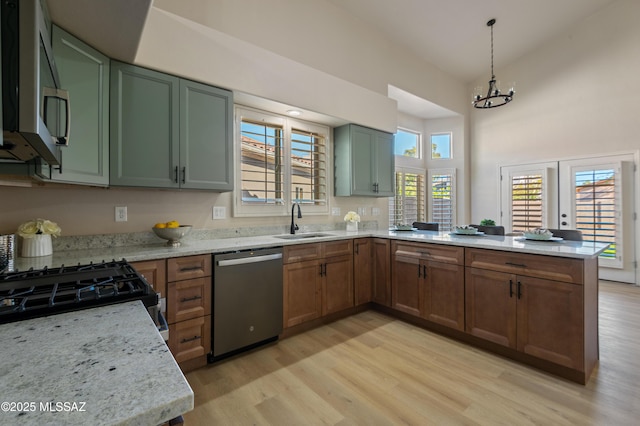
408	203
262	171
526	202
597	193
442	198
282	161
308	167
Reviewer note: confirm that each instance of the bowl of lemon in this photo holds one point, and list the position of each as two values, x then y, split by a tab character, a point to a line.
171	231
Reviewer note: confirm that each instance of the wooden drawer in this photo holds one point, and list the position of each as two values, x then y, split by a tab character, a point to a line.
188	299
433	252
184	268
532	265
190	339
337	248
301	252
155	272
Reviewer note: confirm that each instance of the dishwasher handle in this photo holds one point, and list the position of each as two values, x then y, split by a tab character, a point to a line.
249	259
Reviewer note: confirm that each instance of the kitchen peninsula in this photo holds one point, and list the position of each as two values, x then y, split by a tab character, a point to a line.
535	302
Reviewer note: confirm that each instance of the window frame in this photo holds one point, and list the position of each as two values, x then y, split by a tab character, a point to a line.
404	171
287	124
450	134
419	144
454	194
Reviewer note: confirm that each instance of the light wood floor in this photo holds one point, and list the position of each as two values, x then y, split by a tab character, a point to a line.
371	369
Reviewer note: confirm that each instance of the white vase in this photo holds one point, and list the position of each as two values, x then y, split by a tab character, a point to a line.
352	226
38	245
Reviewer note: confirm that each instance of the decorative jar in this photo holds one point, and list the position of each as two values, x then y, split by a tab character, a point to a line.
352	226
37	245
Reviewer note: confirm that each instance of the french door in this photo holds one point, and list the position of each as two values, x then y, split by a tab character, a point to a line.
593	195
597	197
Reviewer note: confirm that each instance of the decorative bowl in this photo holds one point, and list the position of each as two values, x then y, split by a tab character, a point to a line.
538	234
172	235
404	227
465	230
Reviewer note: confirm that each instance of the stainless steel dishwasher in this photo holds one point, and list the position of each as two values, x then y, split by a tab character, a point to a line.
247	300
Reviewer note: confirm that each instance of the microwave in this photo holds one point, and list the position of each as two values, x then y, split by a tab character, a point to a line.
35	109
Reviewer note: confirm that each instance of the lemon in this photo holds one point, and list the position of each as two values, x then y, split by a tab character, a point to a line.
160	225
173	224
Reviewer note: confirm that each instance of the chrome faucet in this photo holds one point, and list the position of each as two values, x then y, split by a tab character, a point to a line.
294	226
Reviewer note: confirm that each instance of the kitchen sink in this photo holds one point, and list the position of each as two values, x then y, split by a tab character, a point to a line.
302	236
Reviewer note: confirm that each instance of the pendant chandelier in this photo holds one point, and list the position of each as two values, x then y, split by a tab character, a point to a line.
494	98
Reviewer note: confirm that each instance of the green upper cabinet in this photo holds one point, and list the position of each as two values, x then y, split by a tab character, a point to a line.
364	161
168	132
206	137
84	72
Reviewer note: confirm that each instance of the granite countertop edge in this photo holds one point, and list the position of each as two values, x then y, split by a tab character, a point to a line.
190	247
120	372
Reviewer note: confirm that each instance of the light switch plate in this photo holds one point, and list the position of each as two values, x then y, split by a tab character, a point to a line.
219	213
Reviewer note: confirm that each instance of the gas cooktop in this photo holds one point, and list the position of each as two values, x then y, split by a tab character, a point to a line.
41	292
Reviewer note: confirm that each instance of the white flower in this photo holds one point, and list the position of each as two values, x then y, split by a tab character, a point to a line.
352	217
39	226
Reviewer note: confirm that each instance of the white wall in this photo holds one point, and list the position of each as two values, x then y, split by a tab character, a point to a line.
577	95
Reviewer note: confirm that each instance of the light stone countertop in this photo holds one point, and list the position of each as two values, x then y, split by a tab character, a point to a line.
110	361
132	253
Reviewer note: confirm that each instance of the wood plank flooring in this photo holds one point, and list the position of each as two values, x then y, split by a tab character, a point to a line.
371	369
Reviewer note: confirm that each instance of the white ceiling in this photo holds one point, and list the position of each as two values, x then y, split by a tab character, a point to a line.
453	34
450	34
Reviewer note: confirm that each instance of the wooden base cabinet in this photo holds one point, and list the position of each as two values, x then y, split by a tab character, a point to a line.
381	279
318	280
363	270
511	301
189	307
428	281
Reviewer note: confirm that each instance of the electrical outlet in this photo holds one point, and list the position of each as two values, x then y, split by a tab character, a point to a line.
362	211
219	213
335	211
375	211
121	214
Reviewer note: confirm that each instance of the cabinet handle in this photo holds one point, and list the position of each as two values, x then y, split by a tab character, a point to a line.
356	248
321	269
184	174
519	289
190	339
510	288
419	271
519	265
189	299
190	268
175	174
325	269
424	271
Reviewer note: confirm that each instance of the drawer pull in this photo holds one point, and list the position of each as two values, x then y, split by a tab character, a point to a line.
190	268
519	265
190	339
190	299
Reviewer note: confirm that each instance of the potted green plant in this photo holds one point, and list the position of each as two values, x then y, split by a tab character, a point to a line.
487	222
